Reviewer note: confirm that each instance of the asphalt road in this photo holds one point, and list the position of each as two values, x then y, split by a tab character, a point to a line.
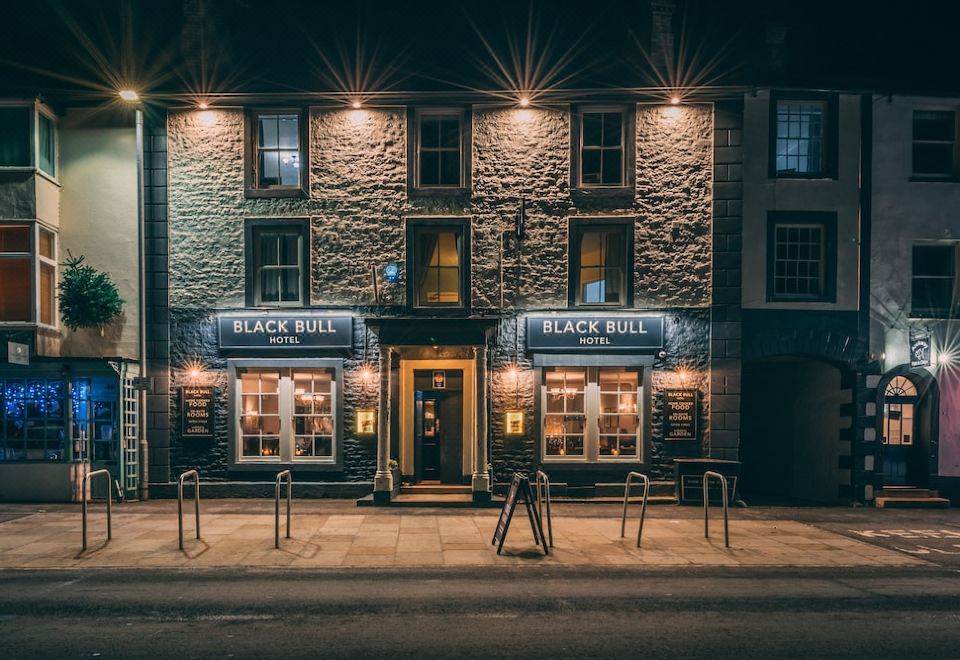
534	613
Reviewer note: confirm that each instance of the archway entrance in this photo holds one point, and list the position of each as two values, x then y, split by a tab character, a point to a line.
907	430
796	421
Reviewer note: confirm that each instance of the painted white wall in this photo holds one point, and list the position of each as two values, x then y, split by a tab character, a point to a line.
761	194
98	216
906	212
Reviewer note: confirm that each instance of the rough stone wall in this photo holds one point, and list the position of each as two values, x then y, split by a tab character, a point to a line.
357	206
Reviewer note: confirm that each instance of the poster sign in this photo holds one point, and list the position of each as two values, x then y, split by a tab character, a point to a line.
196	411
519	489
919	349
680	414
439	380
18	353
287	331
564	332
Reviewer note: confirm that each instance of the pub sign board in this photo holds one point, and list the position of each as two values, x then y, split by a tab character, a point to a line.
285	331
565	332
196	411
919	349
680	414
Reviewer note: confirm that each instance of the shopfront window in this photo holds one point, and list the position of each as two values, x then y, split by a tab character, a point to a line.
33	419
286	414
591	413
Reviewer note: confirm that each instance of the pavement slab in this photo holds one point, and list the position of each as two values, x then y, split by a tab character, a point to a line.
328	535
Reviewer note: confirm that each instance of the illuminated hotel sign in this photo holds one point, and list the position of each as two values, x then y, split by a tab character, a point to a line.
290	331
556	332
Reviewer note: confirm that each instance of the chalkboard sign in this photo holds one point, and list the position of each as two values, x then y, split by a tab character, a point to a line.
680	414
196	411
519	488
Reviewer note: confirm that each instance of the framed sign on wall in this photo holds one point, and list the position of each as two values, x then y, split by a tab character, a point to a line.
681	414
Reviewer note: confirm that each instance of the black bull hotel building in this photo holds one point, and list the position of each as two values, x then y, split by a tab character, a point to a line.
441	295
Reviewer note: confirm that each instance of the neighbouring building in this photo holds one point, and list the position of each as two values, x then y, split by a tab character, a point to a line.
456	290
914	292
68	403
806	391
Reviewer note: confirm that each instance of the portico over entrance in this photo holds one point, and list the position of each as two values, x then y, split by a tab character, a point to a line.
432	405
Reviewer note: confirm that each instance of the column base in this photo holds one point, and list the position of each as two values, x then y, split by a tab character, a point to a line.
383	486
480	484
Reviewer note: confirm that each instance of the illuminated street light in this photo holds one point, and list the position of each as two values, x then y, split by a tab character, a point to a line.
129	95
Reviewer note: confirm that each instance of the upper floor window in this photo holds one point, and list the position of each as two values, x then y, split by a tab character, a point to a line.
438	265
28	274
277	263
277	153
440	158
28	138
801	138
933	284
600	269
801	256
603	148
934	143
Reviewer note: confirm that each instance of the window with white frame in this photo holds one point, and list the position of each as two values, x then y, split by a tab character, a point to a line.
28	138
286	414
799	261
28	274
801	138
934	144
591	413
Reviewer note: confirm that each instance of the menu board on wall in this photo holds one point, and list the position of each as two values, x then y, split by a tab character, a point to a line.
196	411
680	414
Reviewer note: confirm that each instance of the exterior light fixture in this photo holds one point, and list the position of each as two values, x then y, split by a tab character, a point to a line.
366	373
367	422
391	273
944	358
524	102
513	423
356	105
203	105
674	100
129	95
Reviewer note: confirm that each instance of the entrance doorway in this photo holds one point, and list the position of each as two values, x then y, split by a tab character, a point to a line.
795	412
438	426
905	433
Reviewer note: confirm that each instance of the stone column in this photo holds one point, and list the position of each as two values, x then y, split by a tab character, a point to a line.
383	480
481	478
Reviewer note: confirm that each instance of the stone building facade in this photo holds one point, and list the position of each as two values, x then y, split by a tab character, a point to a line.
519	207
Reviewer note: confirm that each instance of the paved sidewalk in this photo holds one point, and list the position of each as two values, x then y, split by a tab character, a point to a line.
329	534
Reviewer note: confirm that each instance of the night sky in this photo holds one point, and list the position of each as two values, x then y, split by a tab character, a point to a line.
414	45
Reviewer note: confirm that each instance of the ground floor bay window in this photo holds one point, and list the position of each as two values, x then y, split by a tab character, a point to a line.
592	413
286	414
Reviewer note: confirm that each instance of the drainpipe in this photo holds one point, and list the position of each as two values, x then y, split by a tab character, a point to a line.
142	308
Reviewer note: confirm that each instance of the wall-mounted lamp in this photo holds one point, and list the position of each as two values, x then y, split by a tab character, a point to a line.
391	273
513	423
356	104
367	422
674	100
128	95
202	105
524	102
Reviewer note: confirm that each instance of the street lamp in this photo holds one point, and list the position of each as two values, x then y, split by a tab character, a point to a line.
131	97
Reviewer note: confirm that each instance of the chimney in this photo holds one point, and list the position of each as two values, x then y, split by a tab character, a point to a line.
776	48
661	34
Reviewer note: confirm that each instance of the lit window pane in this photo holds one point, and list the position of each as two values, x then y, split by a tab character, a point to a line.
800	137
269	138
15	292
48	285
288	132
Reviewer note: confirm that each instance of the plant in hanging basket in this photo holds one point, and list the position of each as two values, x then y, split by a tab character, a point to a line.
88	297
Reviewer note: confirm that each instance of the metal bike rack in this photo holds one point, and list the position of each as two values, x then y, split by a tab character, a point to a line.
643	506
706	506
83	498
276	526
196	501
544	481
